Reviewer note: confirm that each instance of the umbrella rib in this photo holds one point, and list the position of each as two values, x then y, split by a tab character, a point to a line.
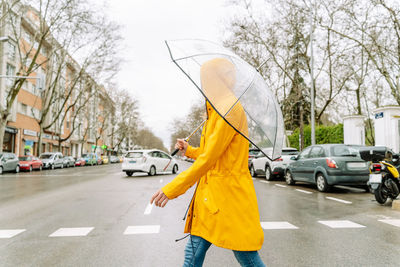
203	54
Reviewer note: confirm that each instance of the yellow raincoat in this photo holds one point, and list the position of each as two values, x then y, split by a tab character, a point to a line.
224	209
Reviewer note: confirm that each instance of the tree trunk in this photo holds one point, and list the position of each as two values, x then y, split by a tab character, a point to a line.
40	141
3	124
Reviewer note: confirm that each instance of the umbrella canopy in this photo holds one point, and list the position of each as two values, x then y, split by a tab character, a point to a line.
235	89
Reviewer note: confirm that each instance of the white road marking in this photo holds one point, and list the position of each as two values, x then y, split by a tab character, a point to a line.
277	225
142	229
391	222
339	200
147	211
161	180
80	231
304	191
10	233
263	181
280	185
341	224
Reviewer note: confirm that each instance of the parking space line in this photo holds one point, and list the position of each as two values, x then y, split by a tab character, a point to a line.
79	231
277	225
280	185
10	233
148	209
341	224
142	229
304	191
391	222
339	200
263	181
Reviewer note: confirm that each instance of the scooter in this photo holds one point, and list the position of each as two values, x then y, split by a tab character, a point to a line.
384	175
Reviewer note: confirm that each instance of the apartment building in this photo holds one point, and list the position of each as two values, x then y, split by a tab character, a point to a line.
72	125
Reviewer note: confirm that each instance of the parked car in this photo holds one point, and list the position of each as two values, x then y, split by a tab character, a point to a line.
29	163
152	161
261	165
253	152
105	159
327	165
69	161
9	162
90	159
80	162
52	160
114	159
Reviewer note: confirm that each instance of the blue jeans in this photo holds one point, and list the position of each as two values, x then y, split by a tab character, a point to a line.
197	247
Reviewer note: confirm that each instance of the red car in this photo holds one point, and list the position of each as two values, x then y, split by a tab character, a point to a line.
80	162
29	163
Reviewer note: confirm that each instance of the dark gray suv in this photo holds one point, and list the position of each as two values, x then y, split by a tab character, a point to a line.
8	162
329	164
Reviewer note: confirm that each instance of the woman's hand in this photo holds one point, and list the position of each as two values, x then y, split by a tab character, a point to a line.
182	145
159	198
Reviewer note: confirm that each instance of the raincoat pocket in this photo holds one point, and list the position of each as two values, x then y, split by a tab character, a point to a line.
208	201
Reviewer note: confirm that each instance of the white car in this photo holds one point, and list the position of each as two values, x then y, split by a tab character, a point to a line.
152	161
261	165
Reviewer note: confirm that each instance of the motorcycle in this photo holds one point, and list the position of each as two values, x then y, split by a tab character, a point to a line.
384	174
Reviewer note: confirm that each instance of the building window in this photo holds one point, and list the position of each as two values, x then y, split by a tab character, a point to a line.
10	71
11	51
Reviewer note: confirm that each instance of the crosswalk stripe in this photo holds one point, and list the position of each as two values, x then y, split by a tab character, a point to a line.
263	181
339	200
78	231
277	225
10	233
341	224
148	209
391	222
280	185
142	229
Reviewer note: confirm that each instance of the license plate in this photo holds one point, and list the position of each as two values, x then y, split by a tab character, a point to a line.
356	164
132	161
375	178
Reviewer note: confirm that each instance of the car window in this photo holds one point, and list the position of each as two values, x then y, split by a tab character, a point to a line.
317	152
24	158
164	156
344	151
254	152
133	155
45	156
304	153
155	154
290	152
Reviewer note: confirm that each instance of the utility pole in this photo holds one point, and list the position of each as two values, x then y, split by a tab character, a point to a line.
312	76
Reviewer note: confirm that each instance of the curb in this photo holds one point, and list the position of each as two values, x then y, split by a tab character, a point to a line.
396	205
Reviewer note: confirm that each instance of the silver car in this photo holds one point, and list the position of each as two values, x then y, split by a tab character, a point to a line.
8	162
52	160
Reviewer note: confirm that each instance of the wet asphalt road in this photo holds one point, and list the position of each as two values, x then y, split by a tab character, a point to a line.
109	206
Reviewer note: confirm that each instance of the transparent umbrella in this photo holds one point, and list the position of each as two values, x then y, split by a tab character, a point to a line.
235	89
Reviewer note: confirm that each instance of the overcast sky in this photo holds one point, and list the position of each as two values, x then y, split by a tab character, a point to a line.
149	74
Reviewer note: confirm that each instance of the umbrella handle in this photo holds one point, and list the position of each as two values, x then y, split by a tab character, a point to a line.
175	151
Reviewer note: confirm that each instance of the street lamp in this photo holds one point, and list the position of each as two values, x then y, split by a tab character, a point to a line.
4	39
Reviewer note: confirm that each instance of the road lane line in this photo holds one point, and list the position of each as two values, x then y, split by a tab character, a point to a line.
147	211
339	200
391	222
341	224
263	181
10	233
79	231
304	191
277	225
142	229
280	185
161	180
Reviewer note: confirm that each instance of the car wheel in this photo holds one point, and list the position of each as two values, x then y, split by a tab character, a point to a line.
322	184
52	166
129	173
175	169
152	171
1	170
289	178
62	166
40	167
17	169
252	171
30	168
268	173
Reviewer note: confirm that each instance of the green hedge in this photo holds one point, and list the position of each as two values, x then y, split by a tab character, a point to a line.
323	135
